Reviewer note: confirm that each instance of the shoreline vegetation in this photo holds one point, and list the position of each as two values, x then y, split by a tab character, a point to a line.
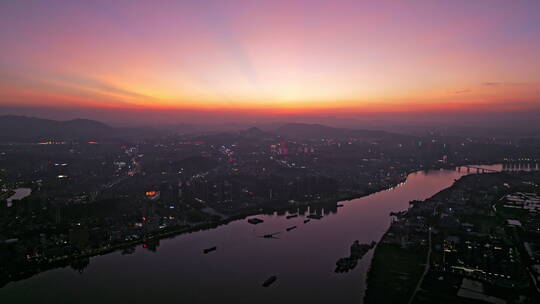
391	262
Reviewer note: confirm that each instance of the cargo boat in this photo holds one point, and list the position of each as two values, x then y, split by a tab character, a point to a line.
269	281
207	250
255	221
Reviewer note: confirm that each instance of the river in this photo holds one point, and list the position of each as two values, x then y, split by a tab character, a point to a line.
303	259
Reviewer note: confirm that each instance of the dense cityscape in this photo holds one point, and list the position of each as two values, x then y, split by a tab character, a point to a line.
66	199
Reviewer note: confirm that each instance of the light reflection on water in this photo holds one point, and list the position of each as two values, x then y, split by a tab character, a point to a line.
303	259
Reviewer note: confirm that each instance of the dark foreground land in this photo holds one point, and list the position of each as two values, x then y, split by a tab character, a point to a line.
475	242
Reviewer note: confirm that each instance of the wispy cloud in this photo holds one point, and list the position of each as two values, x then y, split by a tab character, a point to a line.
95	86
462	91
495	84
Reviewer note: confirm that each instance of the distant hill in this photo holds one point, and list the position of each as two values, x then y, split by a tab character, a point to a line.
316	131
251	135
254	132
22	128
31	129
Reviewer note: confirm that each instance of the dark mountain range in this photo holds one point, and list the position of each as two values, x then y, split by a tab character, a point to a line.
27	129
315	131
31	129
22	128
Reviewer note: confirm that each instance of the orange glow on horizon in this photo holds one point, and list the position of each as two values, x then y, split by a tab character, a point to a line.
276	58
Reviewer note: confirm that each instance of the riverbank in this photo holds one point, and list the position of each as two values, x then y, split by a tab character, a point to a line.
329	204
396	268
23	273
457	238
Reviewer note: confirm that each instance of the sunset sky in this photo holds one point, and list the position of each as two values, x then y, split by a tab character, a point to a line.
271	56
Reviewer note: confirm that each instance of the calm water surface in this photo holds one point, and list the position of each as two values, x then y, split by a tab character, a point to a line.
303	259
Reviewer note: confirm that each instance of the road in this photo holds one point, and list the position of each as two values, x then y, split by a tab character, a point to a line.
426	269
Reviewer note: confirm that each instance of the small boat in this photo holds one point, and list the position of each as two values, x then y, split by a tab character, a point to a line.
291	228
271	235
306	221
315	216
128	250
255	221
207	250
269	281
340	205
292	216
